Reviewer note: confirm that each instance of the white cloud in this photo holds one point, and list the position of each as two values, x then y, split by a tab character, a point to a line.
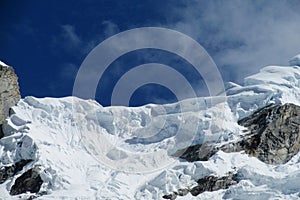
242	36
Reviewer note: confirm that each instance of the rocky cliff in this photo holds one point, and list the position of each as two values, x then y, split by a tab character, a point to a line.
272	136
9	92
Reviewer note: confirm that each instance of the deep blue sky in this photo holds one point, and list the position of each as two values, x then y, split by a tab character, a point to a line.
46	41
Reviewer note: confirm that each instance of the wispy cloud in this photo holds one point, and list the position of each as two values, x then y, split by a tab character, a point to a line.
70	37
71	41
110	28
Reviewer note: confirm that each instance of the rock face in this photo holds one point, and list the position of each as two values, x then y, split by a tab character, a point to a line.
7	172
276	133
208	183
30	181
213	183
197	152
9	92
273	137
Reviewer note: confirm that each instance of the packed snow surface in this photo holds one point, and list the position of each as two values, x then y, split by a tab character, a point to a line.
87	151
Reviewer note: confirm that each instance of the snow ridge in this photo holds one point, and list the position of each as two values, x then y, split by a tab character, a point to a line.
88	151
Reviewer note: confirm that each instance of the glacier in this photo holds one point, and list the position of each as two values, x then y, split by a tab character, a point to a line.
86	151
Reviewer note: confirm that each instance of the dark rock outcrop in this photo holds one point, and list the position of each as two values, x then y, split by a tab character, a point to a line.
275	134
199	152
9	92
30	181
208	183
213	183
273	137
7	172
170	196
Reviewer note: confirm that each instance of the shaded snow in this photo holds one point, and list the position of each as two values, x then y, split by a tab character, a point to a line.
295	61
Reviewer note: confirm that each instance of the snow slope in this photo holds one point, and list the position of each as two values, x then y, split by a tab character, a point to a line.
87	151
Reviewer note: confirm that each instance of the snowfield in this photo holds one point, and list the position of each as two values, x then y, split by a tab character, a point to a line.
86	151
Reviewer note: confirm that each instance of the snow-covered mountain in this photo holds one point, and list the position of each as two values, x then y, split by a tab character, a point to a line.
77	149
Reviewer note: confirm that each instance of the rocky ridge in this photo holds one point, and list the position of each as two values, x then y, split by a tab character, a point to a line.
272	136
9	92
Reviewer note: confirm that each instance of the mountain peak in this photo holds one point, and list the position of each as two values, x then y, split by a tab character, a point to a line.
295	60
74	148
